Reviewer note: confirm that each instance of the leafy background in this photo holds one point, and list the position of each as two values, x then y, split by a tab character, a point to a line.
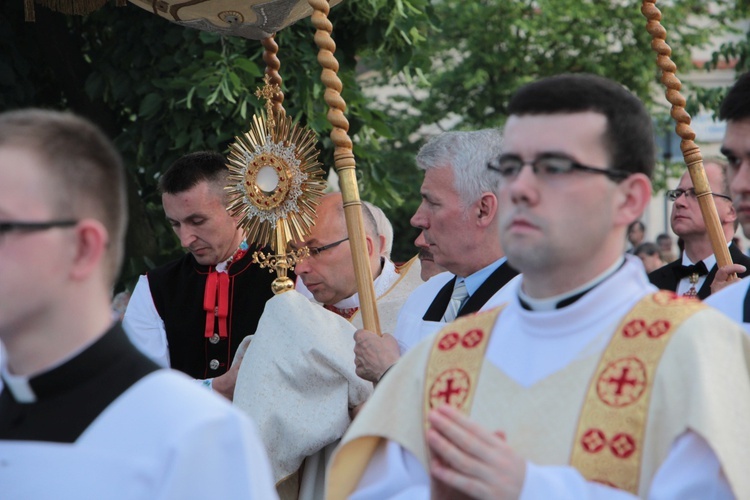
161	90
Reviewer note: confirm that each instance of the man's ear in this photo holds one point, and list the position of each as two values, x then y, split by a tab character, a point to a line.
91	241
632	197
731	215
381	240
485	209
370	245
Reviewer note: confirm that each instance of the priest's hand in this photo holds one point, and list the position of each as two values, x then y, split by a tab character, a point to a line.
373	354
468	460
726	275
224	384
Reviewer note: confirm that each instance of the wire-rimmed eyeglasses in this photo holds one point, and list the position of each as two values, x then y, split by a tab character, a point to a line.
549	166
315	251
27	227
673	194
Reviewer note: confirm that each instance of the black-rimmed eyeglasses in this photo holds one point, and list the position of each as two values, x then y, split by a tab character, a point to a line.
315	251
673	194
548	167
27	227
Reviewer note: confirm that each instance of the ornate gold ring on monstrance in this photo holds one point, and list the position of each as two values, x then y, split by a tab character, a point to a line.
275	184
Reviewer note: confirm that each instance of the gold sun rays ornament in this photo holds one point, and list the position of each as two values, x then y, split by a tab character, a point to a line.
275	184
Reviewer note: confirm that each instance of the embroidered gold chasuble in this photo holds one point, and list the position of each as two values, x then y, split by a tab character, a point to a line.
700	382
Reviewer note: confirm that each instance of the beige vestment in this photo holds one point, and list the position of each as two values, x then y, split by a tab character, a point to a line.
297	381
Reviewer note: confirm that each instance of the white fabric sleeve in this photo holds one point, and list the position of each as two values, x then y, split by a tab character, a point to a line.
393	473
691	470
144	326
220	459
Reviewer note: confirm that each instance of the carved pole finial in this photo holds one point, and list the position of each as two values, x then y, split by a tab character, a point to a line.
690	151
268	92
343	158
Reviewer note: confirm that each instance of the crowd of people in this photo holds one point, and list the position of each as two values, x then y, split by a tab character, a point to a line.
524	352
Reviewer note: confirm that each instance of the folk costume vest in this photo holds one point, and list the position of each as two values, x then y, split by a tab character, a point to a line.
178	290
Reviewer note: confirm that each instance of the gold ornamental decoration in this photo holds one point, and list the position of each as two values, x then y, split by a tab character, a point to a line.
275	184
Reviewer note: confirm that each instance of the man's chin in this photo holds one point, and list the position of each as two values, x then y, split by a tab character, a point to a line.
204	260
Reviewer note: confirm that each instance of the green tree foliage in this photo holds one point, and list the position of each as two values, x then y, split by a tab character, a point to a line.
734	53
484	50
161	90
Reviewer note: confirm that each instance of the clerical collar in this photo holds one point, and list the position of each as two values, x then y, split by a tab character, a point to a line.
567	298
387	277
21	386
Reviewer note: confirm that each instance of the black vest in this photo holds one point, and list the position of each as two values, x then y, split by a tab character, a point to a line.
178	288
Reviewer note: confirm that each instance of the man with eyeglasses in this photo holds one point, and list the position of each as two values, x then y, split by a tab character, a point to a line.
297	379
693	272
588	382
734	300
192	313
328	275
83	413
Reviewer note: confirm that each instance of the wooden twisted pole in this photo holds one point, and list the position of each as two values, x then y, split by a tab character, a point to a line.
690	151
343	158
273	64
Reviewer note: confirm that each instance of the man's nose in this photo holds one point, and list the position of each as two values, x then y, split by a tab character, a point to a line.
187	237
421	242
419	220
524	186
302	266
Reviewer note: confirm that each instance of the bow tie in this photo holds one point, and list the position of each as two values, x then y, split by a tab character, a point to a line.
686	271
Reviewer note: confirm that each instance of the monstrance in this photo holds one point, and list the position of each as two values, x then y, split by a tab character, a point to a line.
260	20
275	184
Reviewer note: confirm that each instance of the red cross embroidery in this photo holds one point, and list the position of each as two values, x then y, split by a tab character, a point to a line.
633	328
622	382
472	338
450	387
593	440
448	342
622	445
657	328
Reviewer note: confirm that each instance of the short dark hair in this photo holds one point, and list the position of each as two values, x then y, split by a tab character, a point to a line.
637	224
736	104
189	170
648	248
663	236
86	171
629	137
